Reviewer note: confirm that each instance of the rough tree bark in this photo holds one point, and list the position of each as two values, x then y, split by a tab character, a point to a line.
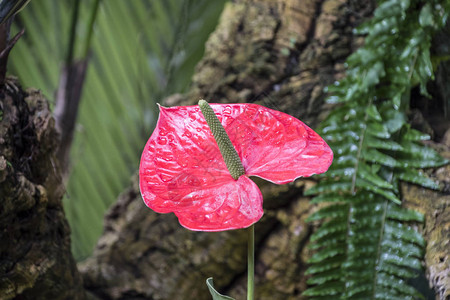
35	258
277	53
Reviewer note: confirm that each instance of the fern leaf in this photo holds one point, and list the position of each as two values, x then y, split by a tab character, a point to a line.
366	173
329	186
376	156
366	238
401	214
330	228
415	135
417	177
374	142
331	211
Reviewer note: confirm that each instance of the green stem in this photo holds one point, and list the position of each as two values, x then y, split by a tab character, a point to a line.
251	263
236	170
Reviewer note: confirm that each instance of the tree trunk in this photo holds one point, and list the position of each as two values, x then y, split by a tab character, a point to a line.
35	257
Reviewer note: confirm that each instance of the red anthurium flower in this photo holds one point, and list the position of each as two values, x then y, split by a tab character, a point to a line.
182	170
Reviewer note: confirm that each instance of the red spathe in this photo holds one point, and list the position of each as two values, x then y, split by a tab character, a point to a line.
182	170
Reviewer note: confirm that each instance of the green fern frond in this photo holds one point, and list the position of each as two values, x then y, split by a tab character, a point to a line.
417	177
366	247
331	211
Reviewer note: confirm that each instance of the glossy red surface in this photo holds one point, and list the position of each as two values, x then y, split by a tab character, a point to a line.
182	170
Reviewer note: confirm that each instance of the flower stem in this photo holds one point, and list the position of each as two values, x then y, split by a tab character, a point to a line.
229	154
236	169
251	263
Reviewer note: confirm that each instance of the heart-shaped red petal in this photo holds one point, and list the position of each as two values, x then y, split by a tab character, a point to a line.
232	205
276	146
182	170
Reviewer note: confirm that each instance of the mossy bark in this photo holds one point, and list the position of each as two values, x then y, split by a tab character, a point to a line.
280	54
35	257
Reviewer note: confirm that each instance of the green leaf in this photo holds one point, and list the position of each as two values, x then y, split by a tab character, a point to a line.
331	211
399	231
401	260
397	270
385	193
215	295
397	99
419	156
330	228
365	172
388	8
376	156
331	197
362	55
405	4
404	248
417	177
8	8
378	130
338	127
426	16
325	265
393	119
333	288
385	293
372	112
372	247
373	76
327	276
357	290
346	171
374	142
329	186
336	240
326	253
415	135
396	212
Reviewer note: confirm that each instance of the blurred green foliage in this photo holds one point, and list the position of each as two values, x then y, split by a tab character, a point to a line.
366	246
141	51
